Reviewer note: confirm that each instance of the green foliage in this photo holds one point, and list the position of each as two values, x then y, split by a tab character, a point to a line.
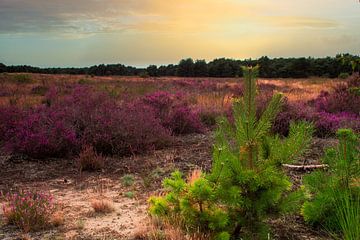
84	81
22	78
282	151
127	180
191	205
344	75
333	196
245	184
129	194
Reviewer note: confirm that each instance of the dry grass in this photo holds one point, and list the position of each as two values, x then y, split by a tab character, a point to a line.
164	231
301	89
20	94
214	100
89	160
102	206
58	219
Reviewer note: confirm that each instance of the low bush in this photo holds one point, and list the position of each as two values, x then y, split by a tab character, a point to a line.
89	160
175	112
184	120
29	211
341	99
39	90
22	78
84	117
328	123
9	118
208	116
344	75
333	196
42	132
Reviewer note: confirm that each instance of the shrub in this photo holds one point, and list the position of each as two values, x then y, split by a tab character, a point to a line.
83	117
175	112
84	81
39	90
89	160
113	128
344	75
22	78
245	184
292	112
184	120
328	123
128	180
9	117
42	133
208	116
29	210
341	99
333	196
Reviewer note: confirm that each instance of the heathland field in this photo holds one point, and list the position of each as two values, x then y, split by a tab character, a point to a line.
80	157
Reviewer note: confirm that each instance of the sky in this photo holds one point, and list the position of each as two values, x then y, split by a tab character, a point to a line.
142	32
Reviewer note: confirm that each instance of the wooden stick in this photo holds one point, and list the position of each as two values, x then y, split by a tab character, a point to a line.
306	167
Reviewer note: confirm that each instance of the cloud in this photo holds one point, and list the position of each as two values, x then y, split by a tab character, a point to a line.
22	16
301	22
89	16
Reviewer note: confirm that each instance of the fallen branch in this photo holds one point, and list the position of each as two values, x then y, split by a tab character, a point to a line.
305	167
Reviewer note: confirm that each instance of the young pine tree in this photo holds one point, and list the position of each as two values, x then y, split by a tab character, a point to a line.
334	195
246	183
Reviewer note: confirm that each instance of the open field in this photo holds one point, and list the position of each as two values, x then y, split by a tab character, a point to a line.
143	129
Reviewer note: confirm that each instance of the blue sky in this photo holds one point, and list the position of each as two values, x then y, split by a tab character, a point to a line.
143	32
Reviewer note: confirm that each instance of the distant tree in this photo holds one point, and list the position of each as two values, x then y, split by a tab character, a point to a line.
2	67
300	68
223	67
186	68
265	69
152	70
200	68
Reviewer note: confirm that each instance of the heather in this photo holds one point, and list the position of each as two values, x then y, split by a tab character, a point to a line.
175	112
342	98
64	123
28	210
104	144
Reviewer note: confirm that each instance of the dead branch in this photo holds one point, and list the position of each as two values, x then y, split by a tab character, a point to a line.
305	167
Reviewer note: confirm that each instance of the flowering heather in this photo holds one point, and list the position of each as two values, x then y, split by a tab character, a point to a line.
28	210
341	99
41	133
184	120
292	112
83	117
328	123
9	116
175	112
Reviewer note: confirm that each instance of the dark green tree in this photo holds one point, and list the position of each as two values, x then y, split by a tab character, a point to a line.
152	70
186	68
200	68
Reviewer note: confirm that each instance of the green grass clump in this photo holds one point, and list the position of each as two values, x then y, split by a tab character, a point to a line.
127	180
129	194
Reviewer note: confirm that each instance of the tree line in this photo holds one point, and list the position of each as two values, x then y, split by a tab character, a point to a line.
221	67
